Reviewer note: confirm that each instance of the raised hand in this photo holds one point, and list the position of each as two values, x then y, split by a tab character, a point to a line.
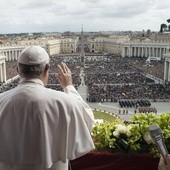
64	75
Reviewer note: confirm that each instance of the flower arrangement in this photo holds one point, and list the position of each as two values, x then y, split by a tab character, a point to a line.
133	137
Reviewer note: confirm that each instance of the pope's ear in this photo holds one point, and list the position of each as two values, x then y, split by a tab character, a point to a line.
47	67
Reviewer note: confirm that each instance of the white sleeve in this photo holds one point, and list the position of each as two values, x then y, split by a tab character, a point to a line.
87	111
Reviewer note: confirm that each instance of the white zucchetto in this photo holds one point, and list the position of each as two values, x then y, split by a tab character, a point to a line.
33	55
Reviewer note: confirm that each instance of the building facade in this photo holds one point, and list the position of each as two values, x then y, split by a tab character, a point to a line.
145	49
53	47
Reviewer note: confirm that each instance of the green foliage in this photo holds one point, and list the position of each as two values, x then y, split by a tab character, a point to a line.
164	123
131	138
164	27
101	132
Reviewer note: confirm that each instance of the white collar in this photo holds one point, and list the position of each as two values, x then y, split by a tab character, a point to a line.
31	80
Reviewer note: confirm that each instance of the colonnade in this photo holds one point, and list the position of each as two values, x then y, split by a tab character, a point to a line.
12	53
167	67
2	69
144	49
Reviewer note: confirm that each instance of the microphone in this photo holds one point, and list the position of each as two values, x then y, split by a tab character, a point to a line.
156	135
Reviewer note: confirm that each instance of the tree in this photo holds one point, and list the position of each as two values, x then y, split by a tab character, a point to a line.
168	20
148	32
163	27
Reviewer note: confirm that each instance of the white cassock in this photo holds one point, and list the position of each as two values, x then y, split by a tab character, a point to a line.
41	128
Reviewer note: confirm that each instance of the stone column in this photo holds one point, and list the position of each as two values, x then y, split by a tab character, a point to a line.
13	55
1	74
7	54
134	51
160	52
146	51
167	67
149	51
153	52
138	51
2	69
168	77
123	51
18	52
156	52
130	51
165	70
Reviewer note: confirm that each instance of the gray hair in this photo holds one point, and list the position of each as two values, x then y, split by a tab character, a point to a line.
31	71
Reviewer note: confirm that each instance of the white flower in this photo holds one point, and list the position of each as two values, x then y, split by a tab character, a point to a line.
116	133
120	128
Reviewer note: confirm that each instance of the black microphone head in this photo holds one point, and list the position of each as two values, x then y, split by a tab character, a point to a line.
154	130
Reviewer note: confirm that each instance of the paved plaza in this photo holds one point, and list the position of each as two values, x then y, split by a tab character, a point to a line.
113	107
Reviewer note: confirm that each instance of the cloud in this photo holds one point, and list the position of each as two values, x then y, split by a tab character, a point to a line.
61	15
165	4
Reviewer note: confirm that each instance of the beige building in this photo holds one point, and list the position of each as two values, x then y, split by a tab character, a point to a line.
113	44
95	44
161	37
68	44
53	47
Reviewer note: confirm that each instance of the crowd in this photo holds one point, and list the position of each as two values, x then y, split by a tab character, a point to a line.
115	78
100	93
11	69
110	78
9	86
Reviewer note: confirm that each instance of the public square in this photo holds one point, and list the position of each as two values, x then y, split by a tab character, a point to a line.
113	107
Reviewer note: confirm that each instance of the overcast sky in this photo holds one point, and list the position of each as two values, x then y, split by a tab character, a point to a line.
96	15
